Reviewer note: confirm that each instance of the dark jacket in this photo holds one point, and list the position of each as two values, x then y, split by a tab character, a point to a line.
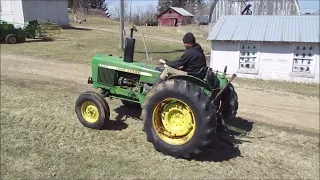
192	60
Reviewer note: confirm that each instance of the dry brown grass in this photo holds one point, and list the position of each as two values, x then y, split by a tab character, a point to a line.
175	33
102	36
41	138
81	45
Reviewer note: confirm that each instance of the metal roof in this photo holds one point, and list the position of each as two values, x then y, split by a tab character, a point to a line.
266	28
181	11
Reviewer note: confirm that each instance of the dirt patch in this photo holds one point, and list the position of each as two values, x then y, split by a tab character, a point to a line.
280	109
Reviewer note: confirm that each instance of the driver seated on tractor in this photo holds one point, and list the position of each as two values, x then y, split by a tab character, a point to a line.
192	60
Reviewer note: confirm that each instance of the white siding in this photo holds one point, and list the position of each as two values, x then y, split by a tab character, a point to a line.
21	11
11	11
275	61
47	10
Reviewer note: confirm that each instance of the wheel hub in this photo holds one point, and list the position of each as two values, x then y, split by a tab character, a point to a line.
173	121
89	112
12	39
176	119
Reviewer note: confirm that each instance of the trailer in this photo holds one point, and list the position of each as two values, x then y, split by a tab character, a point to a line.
42	29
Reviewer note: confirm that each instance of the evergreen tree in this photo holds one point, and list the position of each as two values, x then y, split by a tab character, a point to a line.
97	4
163	5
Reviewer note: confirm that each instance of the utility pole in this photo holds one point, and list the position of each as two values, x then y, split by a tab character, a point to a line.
130	12
121	23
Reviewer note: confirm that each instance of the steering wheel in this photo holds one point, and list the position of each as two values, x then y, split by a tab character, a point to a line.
160	68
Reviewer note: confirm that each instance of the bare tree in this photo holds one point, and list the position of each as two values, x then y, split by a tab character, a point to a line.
144	14
115	10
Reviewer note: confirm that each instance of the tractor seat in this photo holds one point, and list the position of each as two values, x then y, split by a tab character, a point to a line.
201	74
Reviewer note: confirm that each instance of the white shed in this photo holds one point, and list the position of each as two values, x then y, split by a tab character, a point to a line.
21	11
267	47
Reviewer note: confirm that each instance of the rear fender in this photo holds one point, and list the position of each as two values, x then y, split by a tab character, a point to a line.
202	84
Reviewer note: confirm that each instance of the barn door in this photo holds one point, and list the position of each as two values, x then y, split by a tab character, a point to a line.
175	21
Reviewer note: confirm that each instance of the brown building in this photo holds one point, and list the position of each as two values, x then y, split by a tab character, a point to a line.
175	16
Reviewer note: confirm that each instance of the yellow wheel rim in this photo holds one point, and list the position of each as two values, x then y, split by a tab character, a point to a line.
174	121
12	40
89	112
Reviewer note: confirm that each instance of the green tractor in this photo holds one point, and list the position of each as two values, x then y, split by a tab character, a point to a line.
180	116
10	34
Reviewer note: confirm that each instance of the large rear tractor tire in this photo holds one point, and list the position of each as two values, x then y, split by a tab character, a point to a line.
92	110
230	104
179	119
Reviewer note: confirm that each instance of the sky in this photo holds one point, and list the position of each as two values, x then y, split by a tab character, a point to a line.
305	5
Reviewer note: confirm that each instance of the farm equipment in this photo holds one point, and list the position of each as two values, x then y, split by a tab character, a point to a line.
31	29
180	116
11	34
41	29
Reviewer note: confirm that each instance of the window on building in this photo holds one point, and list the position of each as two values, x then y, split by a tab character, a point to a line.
248	58
303	59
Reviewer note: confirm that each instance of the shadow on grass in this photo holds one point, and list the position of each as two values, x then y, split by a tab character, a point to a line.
39	40
77	28
30	40
115	125
123	113
226	144
159	52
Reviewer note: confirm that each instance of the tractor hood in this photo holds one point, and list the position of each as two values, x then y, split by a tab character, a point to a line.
116	63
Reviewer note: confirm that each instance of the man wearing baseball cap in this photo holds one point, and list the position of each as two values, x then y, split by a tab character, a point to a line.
192	60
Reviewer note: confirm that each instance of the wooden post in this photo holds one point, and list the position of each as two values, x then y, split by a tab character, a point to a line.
144	43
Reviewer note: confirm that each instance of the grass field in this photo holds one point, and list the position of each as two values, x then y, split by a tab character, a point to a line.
41	137
101	36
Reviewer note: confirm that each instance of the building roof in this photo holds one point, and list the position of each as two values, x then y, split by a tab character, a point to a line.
266	28
181	11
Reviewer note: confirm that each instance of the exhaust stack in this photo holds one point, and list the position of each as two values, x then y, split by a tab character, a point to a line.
129	46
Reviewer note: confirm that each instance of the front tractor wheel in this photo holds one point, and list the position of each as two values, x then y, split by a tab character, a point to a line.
178	118
92	110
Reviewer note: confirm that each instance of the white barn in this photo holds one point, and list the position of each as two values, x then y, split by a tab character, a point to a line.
21	11
267	47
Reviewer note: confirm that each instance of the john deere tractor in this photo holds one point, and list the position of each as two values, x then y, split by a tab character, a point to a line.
180	116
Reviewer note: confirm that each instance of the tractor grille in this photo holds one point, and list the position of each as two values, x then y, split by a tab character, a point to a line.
106	76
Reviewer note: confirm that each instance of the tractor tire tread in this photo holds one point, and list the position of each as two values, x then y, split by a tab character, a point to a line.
231	104
101	123
203	107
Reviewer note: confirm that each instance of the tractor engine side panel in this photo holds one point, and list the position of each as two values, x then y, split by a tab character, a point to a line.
106	76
